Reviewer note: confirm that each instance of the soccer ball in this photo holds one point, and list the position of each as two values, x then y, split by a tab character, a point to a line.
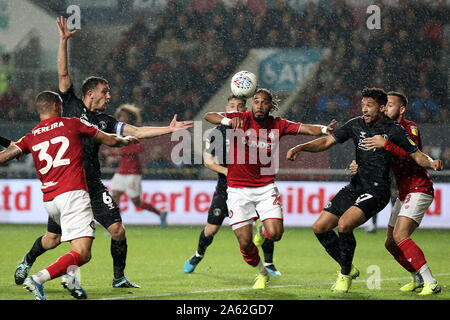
244	84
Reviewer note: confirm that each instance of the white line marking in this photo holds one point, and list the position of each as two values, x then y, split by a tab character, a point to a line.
168	294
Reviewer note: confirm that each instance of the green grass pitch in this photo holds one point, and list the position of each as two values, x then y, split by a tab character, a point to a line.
156	258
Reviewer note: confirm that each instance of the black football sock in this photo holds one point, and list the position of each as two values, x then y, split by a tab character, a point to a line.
204	242
36	250
268	247
330	241
119	255
374	220
347	244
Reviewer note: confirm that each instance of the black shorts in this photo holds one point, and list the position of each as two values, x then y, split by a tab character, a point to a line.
218	210
106	212
369	201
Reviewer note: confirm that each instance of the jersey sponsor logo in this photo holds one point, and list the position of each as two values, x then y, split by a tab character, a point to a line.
361	145
48	128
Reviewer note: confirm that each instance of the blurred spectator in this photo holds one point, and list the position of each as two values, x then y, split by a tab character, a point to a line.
446	158
6	69
168	45
424	107
158	161
10	103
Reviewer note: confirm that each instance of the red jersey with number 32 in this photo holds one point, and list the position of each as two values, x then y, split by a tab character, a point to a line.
251	162
55	145
409	176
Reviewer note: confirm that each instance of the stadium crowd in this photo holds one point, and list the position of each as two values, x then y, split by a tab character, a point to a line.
175	62
158	67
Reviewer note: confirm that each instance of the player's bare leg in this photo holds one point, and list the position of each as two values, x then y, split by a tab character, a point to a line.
43	243
412	253
273	229
250	254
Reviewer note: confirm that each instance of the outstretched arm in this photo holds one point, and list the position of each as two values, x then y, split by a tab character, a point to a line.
10	153
113	140
64	78
316	145
220	118
152	132
317	130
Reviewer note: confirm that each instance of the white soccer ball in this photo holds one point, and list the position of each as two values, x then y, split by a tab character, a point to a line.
244	84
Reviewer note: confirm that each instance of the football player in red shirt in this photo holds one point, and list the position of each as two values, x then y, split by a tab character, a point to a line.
415	195
55	144
128	177
251	172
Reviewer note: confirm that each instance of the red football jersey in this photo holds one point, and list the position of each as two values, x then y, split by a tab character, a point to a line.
130	162
250	161
55	145
409	176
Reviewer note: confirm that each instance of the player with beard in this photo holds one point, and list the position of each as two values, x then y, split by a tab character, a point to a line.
369	189
217	145
96	96
415	195
252	192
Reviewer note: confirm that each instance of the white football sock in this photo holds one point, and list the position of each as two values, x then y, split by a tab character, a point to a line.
426	274
41	277
262	268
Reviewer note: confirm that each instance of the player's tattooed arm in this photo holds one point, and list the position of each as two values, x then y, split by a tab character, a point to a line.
11	152
113	140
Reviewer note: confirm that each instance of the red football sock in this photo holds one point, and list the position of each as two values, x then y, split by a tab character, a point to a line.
60	267
400	257
412	253
148	206
251	257
266	234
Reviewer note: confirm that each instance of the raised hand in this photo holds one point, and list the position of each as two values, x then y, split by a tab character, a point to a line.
64	33
179	125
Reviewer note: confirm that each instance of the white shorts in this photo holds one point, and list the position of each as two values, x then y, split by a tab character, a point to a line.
245	204
127	183
73	212
414	207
